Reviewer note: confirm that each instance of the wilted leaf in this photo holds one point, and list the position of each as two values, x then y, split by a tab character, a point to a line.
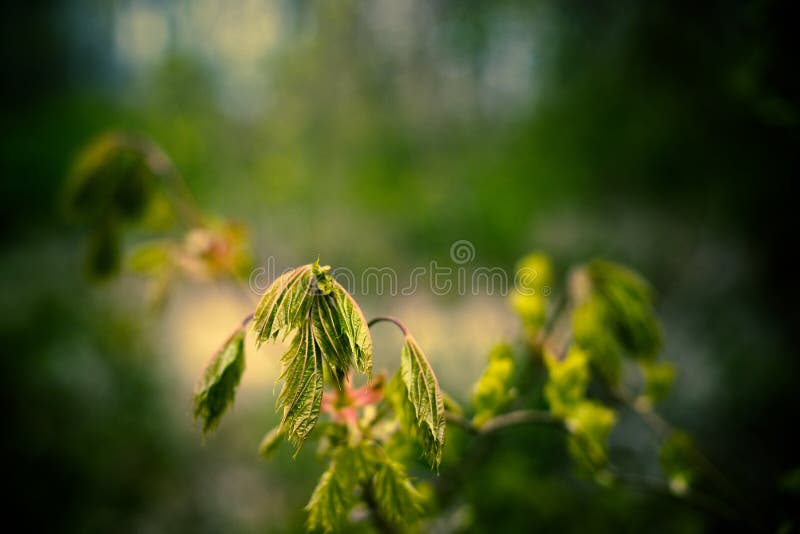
217	388
422	390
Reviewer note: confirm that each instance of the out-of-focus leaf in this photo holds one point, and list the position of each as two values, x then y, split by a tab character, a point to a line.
396	498
534	273
150	258
335	493
103	254
590	423
216	389
593	334
676	458
270	442
629	301
424	394
493	390
567	381
111	178
658	379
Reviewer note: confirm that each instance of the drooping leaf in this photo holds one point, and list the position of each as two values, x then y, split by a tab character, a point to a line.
356	329
216	389
396	498
301	393
424	394
285	305
329	332
270	442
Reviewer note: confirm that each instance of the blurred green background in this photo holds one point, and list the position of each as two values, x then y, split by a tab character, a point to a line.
376	133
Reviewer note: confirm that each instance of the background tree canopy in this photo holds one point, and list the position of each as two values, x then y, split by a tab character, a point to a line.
376	133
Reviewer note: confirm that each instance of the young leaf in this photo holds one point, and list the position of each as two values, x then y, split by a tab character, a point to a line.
356	329
301	394
422	390
629	301
493	391
285	305
329	330
658	378
217	388
567	381
334	495
395	496
590	424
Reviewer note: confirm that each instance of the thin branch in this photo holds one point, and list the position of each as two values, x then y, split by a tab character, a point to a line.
389	319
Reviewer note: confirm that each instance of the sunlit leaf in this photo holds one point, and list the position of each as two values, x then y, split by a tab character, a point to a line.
590	423
301	393
567	380
493	390
422	390
329	332
216	389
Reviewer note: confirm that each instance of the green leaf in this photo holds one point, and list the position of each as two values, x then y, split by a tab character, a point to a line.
329	331
422	390
590	423
335	493
216	389
112	178
301	393
270	442
493	390
593	334
285	306
396	498
356	329
630	312
658	379
676	459
567	381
